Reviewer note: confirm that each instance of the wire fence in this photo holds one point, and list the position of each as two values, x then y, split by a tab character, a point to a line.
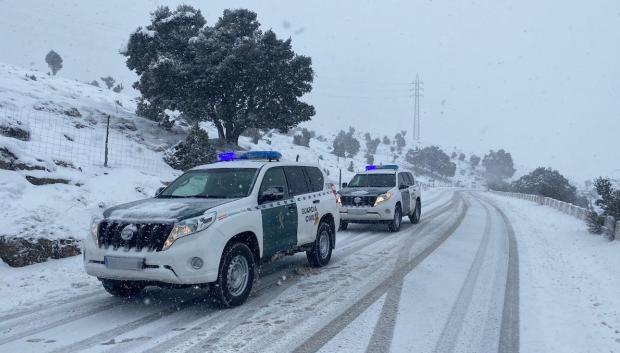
67	137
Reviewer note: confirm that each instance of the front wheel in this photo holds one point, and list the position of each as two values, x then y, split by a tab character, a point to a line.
122	289
321	251
235	277
415	217
394	225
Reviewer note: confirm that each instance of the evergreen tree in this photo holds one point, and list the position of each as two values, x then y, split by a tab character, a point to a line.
474	160
351	167
546	182
54	61
498	165
400	140
118	88
609	200
109	81
432	160
345	144
232	74
195	150
303	138
386	140
462	157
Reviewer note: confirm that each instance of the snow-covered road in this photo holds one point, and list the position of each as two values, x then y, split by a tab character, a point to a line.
449	284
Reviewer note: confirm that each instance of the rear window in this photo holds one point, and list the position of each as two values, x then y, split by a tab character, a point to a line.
315	178
296	180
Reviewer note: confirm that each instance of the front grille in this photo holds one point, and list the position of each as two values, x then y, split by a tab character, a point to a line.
149	236
364	201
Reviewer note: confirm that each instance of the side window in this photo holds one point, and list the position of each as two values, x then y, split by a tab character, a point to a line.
296	179
402	179
315	178
274	177
411	179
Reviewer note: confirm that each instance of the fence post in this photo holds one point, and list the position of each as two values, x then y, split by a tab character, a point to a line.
107	134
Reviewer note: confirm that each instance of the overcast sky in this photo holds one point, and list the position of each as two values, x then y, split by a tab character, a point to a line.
538	78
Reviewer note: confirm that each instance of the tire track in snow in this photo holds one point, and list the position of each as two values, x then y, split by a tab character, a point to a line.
243	315
509	330
381	339
331	329
449	335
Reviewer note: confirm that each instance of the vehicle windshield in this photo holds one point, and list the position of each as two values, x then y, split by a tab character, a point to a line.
373	180
221	183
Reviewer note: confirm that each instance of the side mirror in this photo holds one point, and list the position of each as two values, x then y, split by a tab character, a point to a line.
402	186
274	193
159	190
344	185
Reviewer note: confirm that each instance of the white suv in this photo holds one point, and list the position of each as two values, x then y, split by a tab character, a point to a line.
381	194
214	225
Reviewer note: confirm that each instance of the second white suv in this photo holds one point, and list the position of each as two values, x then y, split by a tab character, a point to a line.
381	194
214	225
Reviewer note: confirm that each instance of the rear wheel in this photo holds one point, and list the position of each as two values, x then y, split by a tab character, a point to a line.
343	225
394	225
321	251
122	289
235	277
415	216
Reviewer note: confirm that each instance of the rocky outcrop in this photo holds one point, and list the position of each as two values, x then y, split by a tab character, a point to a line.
19	252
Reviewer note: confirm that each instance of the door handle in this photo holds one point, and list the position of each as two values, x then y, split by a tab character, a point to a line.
316	201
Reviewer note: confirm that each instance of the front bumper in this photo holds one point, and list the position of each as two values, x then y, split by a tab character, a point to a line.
366	214
170	266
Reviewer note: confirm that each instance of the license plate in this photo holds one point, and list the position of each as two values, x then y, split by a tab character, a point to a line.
356	211
123	263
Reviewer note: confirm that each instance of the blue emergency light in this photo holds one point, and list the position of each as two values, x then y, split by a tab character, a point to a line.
249	155
384	166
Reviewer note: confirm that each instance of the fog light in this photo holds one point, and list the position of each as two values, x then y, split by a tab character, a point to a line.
196	263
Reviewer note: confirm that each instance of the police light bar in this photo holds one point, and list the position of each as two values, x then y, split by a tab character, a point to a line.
389	166
249	155
385	166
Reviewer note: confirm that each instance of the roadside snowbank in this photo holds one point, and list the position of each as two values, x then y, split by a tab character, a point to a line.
569	281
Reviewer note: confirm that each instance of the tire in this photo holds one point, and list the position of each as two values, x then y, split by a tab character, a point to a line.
417	213
235	276
122	289
321	251
394	225
343	225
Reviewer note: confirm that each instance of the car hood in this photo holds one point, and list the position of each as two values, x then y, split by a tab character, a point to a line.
363	191
163	210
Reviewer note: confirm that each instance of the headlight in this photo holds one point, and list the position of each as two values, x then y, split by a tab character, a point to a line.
382	198
94	229
189	226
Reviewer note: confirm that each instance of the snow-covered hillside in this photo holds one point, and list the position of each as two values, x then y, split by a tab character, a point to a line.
52	140
66	123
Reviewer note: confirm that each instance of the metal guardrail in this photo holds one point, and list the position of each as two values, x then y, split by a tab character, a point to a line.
611	227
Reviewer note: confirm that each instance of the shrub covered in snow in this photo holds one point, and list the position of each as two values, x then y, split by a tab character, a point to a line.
195	150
